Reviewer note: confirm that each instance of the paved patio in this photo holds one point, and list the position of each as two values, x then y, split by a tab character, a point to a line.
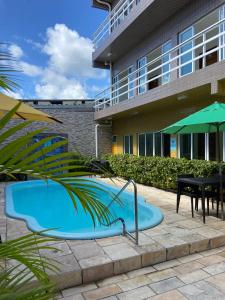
87	261
195	277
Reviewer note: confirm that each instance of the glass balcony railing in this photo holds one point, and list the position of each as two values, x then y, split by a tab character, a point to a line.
191	54
119	13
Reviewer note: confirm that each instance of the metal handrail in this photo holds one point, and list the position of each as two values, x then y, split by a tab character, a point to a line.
125	232
115	221
136	237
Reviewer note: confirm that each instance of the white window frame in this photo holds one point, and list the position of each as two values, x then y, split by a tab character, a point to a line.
129	136
144	58
169	57
193	54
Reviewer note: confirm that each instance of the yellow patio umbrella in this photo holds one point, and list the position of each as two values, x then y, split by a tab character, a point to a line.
25	111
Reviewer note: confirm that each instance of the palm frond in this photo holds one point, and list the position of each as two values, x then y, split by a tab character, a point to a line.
8	69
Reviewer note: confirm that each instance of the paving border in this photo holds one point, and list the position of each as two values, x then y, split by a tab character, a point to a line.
147	256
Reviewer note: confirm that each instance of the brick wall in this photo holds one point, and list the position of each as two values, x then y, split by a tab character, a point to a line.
79	125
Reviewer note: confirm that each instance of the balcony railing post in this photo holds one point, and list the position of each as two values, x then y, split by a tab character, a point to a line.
121	88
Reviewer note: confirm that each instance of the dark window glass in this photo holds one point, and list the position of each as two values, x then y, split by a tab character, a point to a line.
126	144
114	139
141	144
149	144
199	146
158	144
131	144
185	146
166	145
213	146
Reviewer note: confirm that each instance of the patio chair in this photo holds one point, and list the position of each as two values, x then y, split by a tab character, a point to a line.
189	191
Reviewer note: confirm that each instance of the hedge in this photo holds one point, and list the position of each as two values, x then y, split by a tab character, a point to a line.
156	171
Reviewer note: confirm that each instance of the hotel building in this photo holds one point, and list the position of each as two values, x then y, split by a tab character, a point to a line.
166	60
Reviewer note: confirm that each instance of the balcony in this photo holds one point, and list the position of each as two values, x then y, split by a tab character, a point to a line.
158	69
130	18
116	17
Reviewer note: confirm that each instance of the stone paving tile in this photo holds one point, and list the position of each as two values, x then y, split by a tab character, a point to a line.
111	241
162	275
140	293
102	292
201	291
168	240
166	285
193	276
74	297
143	271
172	295
167	264
189	258
133	283
211	260
62	249
218	281
78	289
215	269
88	250
112	280
119	251
188	267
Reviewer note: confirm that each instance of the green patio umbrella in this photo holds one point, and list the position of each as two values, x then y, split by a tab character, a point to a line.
207	120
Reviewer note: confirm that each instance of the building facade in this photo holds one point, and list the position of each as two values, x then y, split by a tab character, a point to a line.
78	125
167	60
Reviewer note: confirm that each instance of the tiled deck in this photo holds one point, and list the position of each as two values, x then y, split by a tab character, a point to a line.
177	236
194	277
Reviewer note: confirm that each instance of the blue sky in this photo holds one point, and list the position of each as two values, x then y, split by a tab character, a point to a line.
51	40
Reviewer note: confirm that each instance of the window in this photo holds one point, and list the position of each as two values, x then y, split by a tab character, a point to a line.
158	144
222	29
213	146
141	144
186	59
54	139
115	89
150	144
128	144
185	146
198	145
166	145
131	78
114	139
142	75
166	68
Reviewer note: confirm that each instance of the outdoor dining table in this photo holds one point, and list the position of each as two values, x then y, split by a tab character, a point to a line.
202	183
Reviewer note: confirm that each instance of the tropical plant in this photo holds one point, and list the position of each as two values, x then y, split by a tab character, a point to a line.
19	154
7	69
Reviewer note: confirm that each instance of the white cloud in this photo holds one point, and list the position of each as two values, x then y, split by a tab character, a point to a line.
16	95
70	54
16	51
58	86
30	70
68	67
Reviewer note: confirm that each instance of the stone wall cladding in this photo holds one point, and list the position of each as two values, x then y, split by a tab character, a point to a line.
105	139
78	124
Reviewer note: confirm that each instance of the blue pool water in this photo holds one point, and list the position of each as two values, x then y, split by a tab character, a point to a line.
48	206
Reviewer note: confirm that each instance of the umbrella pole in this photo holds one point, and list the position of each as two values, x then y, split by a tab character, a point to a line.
220	171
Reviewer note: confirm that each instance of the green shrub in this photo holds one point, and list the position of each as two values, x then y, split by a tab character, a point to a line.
156	171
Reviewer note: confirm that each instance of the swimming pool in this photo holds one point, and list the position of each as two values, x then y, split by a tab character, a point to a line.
47	205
